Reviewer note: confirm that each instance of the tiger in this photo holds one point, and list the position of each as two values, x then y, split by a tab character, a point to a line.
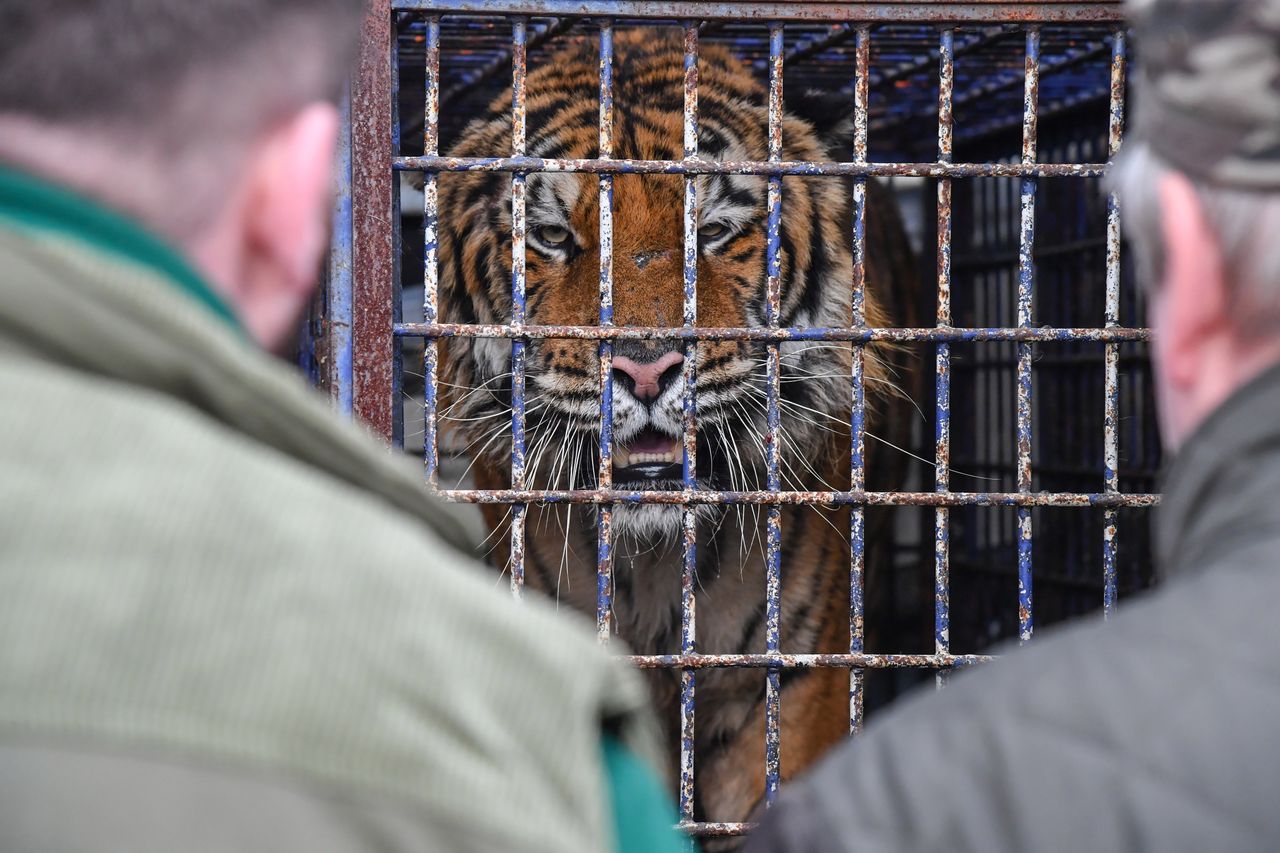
563	379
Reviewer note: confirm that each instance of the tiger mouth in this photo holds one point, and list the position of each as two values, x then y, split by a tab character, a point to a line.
651	455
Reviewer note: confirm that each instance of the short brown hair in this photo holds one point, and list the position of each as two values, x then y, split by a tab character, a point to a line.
167	93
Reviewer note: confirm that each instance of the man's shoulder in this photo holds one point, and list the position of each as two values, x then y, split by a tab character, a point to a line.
1147	723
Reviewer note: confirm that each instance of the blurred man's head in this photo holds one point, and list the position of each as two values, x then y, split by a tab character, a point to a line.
1199	181
211	121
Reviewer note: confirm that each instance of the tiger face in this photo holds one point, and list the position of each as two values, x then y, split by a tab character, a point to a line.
563	285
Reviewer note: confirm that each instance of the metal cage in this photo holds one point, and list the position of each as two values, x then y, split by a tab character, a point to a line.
987	103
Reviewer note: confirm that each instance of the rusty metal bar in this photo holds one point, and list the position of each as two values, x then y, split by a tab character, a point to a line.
373	225
1111	380
1026	285
808	661
893	11
750	167
430	256
942	366
858	414
604	535
518	306
773	421
689	402
798	498
928	334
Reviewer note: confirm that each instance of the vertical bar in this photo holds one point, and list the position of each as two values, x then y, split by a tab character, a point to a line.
518	345
688	601
942	366
773	478
397	250
1111	382
858	416
604	537
373	228
340	265
1026	283
430	255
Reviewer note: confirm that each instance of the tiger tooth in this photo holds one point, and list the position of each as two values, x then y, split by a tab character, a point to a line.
621	457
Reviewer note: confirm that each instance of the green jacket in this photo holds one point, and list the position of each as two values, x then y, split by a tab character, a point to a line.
228	621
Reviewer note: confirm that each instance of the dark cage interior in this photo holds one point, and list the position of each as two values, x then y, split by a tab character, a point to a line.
1074	403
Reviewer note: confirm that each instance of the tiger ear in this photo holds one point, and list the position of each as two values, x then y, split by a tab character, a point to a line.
830	114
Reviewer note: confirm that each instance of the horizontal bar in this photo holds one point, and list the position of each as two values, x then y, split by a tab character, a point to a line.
788	333
714	830
809	661
693	166
893	11
858	498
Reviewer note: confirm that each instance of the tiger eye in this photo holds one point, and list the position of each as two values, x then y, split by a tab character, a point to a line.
712	230
553	235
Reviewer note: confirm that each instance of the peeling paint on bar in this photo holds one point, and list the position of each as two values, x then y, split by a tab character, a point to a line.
748	167
893	11
858	412
604	535
1026	284
773	422
1111	352
942	360
689	402
751	333
518	307
793	498
430	257
809	661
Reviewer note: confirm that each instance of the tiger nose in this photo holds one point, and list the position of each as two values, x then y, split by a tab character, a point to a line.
647	379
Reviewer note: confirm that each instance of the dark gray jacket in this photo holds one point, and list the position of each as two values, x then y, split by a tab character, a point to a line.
1158	730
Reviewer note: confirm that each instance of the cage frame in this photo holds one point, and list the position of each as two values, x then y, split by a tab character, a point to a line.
365	322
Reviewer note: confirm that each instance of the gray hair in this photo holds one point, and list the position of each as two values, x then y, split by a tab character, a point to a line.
1245	222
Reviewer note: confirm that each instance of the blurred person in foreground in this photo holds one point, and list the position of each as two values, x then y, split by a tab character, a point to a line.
227	620
1160	729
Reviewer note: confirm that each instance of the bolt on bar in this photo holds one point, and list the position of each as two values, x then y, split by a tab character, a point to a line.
1026	283
942	367
1111	381
689	519
518	307
858	415
604	536
430	256
773	437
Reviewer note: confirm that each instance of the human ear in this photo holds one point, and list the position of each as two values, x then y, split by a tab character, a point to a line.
287	219
1193	299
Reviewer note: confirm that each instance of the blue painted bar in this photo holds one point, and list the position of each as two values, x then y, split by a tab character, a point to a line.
1026	284
773	418
341	281
796	498
430	257
1111	382
942	365
604	535
689	521
858	413
518	306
